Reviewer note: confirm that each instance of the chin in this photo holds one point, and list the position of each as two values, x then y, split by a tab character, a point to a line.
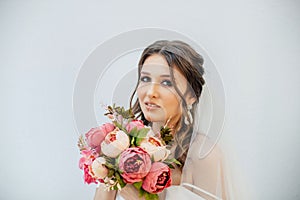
153	118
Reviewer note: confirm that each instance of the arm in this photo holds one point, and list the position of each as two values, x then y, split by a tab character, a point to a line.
128	193
102	194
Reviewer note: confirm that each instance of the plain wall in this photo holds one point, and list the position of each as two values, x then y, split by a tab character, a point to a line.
254	45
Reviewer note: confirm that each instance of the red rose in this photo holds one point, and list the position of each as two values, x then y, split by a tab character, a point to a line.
134	164
96	135
158	178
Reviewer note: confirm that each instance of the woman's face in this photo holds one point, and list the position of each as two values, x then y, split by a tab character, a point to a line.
157	96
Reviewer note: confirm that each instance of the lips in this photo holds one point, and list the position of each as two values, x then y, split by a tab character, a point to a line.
151	106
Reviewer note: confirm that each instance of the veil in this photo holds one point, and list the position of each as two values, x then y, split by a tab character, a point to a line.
204	173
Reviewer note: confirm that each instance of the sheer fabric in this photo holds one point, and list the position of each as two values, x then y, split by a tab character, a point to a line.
204	175
201	177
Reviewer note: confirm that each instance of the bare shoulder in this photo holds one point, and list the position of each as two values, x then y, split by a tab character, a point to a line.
203	148
203	167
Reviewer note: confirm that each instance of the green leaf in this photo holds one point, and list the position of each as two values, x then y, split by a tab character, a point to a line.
171	166
118	125
142	192
81	143
149	196
110	162
176	161
138	185
134	132
115	187
171	161
110	173
132	142
127	114
119	179
138	141
109	110
165	133
142	133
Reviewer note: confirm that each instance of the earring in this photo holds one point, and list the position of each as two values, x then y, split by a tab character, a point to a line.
190	121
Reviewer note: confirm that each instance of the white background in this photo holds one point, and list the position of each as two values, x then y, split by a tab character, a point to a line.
254	44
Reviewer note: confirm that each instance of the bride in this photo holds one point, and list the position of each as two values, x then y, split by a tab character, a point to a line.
168	92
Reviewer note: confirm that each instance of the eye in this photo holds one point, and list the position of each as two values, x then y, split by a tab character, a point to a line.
167	83
145	79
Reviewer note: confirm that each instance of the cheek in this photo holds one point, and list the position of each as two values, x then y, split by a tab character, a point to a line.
140	93
171	97
172	103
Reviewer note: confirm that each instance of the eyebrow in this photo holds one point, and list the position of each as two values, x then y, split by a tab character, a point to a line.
163	75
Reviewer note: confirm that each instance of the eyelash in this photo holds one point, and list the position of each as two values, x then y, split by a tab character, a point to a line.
147	79
167	83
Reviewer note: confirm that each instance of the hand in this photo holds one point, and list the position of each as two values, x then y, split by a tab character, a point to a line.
102	194
129	192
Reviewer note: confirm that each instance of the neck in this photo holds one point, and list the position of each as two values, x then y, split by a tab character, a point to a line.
156	127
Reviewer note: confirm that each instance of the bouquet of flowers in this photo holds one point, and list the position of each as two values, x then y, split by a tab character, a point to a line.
125	151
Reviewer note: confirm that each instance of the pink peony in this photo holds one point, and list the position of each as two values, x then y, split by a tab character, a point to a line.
99	169
134	123
86	163
155	148
88	178
134	164
158	178
88	156
96	135
115	142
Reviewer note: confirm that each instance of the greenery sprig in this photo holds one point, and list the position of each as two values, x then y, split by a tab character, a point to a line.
127	114
166	135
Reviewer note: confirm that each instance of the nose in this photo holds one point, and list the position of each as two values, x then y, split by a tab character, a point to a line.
153	90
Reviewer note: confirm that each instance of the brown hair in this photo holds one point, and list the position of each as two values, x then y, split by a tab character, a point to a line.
190	64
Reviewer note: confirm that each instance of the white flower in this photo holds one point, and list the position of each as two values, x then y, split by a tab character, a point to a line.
150	132
114	143
155	148
98	168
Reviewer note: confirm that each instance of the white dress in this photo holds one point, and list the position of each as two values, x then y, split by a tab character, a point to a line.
181	192
176	192
201	178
